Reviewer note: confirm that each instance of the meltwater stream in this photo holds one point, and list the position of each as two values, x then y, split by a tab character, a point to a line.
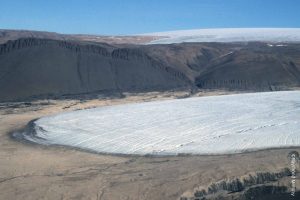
199	125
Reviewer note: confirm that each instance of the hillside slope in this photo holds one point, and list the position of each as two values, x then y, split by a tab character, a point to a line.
45	68
49	68
257	67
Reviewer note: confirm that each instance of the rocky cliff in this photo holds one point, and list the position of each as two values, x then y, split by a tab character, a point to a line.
47	68
261	185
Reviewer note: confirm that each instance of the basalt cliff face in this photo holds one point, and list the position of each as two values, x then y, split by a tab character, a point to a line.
48	68
260	185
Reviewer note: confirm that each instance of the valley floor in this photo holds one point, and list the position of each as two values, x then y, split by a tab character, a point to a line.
30	171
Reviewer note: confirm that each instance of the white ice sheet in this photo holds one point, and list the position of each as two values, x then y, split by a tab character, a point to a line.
200	125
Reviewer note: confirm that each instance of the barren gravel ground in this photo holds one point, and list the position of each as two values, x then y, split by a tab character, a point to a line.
29	171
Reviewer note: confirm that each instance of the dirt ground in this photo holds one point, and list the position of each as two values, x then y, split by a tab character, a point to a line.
29	171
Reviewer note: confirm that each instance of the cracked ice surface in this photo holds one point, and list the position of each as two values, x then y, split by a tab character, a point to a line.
199	125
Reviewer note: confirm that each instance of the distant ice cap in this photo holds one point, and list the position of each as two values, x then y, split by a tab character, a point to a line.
228	35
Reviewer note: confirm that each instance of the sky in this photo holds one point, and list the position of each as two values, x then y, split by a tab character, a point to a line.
125	17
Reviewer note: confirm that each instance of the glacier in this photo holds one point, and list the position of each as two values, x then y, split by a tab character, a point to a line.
197	125
228	35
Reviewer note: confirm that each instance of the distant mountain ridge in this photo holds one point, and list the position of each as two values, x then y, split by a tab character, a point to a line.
194	35
6	35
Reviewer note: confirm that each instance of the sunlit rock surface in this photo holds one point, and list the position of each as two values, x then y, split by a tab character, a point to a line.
200	125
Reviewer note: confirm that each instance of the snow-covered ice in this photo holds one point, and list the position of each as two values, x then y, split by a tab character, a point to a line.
199	125
229	35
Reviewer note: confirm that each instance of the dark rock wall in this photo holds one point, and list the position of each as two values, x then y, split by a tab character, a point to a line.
262	185
45	68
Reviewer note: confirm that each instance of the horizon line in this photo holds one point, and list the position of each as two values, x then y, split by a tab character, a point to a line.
146	33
